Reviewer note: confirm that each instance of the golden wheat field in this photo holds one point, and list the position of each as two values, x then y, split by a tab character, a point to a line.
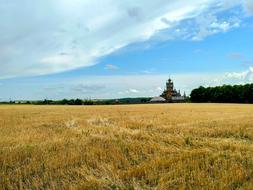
166	146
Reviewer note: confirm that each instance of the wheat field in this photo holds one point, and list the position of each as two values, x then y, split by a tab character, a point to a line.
163	146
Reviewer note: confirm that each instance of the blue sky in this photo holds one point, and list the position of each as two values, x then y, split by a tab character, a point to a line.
111	49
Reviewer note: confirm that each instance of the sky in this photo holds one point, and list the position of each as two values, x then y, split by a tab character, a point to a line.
129	48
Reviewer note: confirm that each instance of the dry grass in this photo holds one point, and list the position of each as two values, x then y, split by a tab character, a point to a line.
175	146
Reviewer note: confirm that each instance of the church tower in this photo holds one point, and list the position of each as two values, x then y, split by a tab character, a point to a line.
169	85
171	94
169	90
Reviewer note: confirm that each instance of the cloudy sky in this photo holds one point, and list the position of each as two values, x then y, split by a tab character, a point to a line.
109	49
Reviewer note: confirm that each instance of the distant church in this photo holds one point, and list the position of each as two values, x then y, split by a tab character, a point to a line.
170	94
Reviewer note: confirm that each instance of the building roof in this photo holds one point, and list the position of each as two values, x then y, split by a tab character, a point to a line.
158	99
178	98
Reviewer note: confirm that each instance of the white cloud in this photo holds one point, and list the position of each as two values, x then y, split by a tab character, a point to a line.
232	78
159	88
87	88
44	36
132	90
149	71
198	51
242	77
207	25
239	57
111	67
247	63
117	86
248	7
235	56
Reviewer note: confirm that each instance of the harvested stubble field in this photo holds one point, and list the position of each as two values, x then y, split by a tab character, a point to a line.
166	146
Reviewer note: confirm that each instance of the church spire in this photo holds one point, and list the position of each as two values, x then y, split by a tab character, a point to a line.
171	94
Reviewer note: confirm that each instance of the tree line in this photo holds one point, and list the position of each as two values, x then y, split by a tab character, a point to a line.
223	94
83	102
